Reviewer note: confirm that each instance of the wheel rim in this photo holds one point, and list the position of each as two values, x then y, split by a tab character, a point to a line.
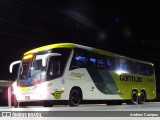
75	98
142	98
135	97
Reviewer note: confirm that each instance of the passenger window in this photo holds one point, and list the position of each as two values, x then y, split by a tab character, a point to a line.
123	66
92	62
79	60
146	69
110	63
100	64
150	70
143	69
133	67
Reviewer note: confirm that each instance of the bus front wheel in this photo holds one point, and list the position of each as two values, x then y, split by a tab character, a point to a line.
141	98
74	98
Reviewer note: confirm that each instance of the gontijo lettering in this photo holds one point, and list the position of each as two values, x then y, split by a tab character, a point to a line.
130	78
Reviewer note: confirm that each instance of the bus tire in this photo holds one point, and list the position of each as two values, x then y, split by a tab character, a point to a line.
74	98
142	98
134	98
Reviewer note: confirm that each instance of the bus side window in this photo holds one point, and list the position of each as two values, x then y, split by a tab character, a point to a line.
143	69
54	68
150	70
100	64
92	62
110	64
146	69
123	65
133	67
78	61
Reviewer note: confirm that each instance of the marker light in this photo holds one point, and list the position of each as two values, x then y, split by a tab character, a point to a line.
62	89
28	57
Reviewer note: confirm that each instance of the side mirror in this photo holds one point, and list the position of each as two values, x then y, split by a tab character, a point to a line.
12	64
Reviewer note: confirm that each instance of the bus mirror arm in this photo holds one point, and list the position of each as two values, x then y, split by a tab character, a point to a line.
47	56
12	64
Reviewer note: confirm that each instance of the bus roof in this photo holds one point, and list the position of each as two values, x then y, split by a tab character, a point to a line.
48	47
72	45
102	52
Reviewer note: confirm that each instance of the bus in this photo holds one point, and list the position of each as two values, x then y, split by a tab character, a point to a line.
71	74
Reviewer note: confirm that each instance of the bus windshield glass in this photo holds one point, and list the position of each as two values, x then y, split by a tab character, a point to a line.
24	68
32	73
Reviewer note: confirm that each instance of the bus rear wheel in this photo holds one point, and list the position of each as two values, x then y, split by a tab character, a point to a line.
141	98
134	98
74	98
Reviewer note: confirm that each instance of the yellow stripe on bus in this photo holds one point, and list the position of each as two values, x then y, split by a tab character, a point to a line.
48	47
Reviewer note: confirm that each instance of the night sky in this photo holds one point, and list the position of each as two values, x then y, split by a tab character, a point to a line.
129	28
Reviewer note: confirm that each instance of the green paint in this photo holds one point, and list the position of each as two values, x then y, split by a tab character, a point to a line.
103	81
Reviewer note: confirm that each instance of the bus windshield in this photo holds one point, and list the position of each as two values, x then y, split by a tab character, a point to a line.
31	71
24	69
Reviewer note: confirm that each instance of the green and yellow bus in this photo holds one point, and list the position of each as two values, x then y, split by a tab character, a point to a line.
72	74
